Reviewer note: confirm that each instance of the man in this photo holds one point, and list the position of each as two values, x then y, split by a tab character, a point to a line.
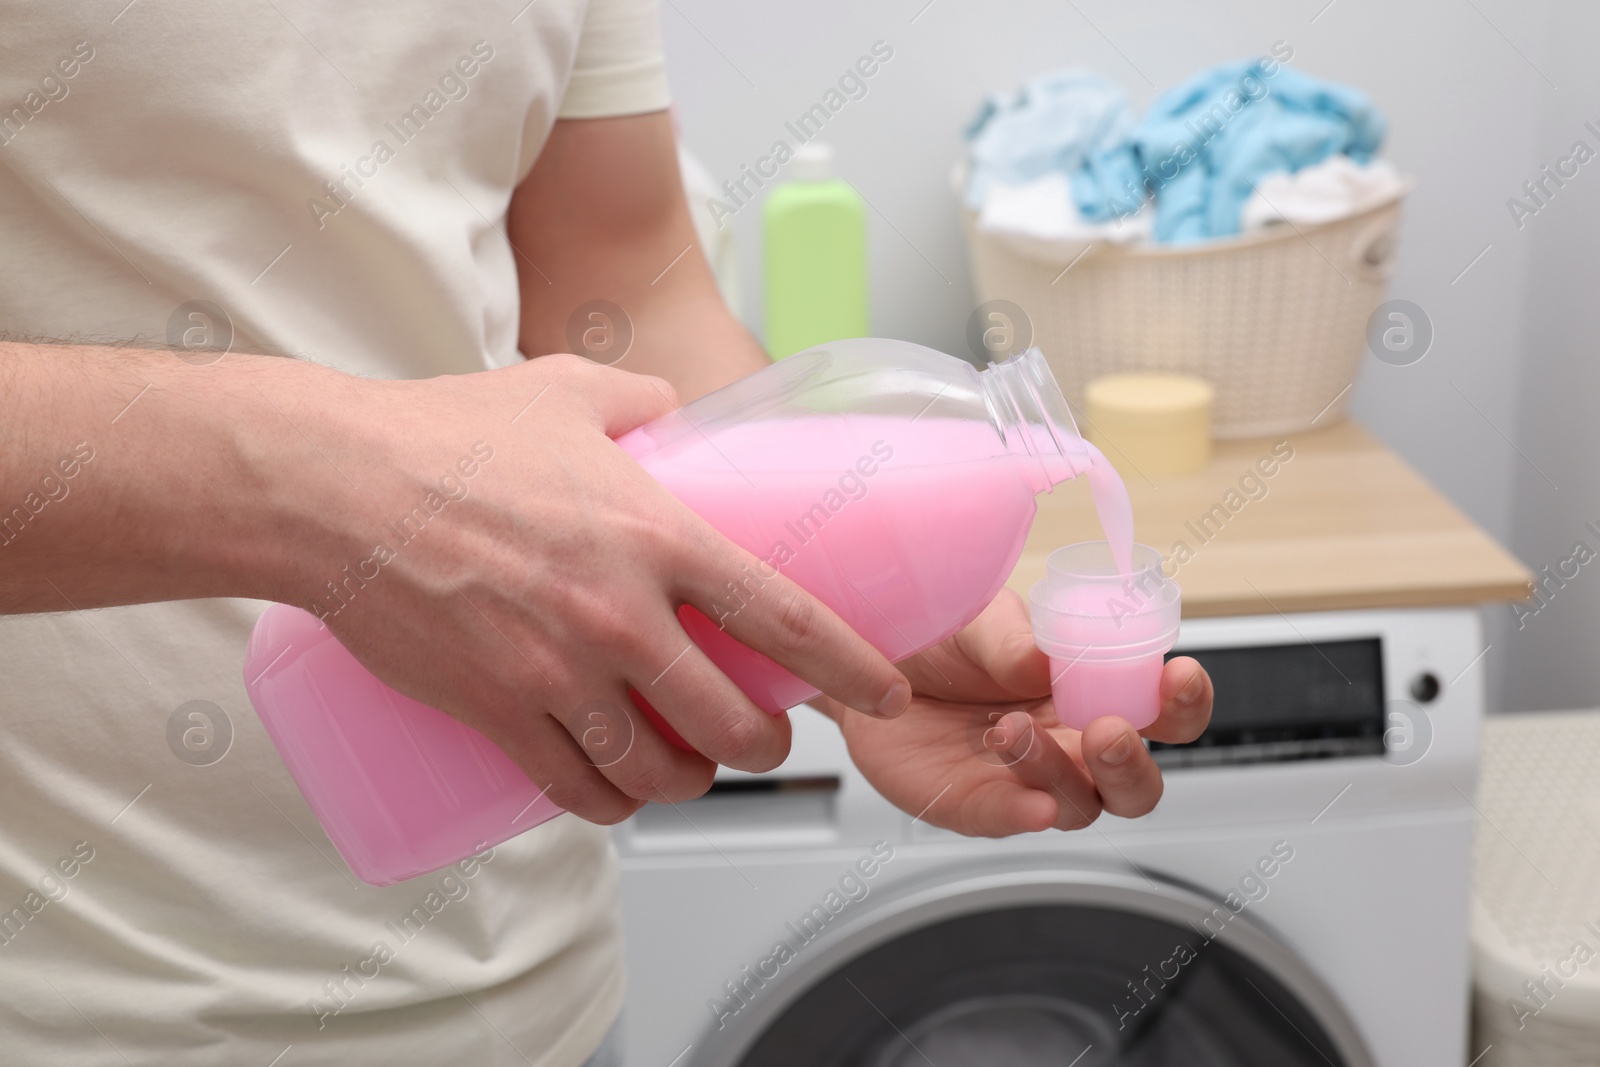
409	199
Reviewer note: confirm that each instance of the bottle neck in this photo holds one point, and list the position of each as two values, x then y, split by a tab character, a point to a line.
1032	416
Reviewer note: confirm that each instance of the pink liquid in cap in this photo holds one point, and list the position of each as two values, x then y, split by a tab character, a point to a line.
1106	627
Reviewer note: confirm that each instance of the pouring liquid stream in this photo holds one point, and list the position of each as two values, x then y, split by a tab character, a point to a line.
1114	508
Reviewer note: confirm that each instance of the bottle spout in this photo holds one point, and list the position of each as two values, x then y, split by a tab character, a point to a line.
1031	413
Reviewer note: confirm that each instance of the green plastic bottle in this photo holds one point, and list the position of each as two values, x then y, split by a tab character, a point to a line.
816	257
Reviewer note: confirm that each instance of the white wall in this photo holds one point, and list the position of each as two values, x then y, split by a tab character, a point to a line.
1552	661
1471	119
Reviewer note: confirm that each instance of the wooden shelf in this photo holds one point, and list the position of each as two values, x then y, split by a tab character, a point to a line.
1344	523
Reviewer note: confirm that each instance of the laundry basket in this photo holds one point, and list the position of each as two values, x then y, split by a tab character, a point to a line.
1275	320
1536	899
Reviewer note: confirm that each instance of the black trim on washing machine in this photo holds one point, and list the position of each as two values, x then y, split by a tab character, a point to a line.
826	982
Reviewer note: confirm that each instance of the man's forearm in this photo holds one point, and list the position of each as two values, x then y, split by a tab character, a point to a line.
695	343
603	217
130	475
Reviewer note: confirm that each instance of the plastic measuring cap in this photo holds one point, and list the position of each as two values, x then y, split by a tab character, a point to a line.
1106	633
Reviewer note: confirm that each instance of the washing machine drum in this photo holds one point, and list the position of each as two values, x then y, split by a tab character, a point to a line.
1063	985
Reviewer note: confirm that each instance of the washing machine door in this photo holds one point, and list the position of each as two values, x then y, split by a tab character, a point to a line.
1036	968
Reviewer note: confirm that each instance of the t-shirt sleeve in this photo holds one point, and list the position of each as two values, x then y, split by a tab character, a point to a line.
620	68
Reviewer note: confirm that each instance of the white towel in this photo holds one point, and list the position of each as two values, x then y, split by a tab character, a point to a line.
1333	189
1040	220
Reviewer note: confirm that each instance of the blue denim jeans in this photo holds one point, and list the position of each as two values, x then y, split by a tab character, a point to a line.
609	1054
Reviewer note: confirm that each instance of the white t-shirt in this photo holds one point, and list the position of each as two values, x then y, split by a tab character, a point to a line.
334	178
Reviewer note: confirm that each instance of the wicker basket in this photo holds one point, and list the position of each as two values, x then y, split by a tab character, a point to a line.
1536	896
1276	320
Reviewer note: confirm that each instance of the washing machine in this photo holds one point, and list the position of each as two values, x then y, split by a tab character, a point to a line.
1299	896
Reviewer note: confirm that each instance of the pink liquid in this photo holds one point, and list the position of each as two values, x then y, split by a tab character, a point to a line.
905	529
401	788
1111	503
1083	690
1109	657
1107	648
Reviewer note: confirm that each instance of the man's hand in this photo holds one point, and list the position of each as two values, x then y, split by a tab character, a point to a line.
532	603
602	217
525	597
478	541
980	751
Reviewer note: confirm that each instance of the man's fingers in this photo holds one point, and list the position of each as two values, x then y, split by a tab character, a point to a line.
992	659
551	757
774	616
1032	752
1186	697
618	741
1000	809
1128	780
1121	776
1038	759
623	400
711	713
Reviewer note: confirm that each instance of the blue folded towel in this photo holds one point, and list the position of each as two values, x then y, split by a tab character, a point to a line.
1203	147
1052	125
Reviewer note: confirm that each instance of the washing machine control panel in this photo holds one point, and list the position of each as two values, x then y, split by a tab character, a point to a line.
1292	701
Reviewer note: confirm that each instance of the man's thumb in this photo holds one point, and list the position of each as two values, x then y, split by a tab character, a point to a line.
624	400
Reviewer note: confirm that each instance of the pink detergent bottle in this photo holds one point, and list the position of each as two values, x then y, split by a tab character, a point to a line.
893	482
